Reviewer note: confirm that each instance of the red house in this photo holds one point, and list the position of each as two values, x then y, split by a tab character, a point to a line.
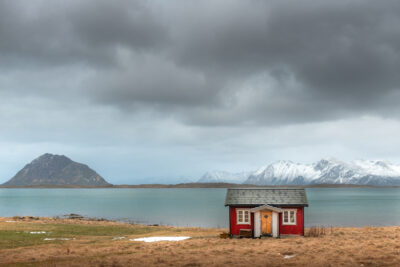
266	211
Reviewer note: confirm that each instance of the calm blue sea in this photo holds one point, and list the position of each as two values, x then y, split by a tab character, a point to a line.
198	207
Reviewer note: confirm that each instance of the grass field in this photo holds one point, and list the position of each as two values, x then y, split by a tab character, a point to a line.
66	242
29	234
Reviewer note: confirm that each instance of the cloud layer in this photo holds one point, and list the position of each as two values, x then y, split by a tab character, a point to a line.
179	75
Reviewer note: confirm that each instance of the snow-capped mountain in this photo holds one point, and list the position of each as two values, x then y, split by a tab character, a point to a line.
224	177
327	171
283	172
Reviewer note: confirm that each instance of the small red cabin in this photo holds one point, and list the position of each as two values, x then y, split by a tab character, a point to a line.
266	211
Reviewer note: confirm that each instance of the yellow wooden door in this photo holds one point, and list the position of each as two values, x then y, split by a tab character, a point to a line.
266	222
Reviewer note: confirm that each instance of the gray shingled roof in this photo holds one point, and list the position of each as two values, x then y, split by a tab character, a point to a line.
270	196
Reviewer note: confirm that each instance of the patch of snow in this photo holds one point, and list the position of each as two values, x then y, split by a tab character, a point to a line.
52	239
118	238
289	256
161	238
260	170
37	232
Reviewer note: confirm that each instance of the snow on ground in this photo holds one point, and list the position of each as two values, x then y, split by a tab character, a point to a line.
288	256
161	238
118	238
52	239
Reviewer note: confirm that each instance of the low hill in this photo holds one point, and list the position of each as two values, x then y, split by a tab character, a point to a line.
56	170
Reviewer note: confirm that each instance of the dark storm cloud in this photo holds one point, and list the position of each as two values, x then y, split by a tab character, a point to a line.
85	32
343	51
213	63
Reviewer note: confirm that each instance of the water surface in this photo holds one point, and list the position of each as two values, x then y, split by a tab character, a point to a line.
198	207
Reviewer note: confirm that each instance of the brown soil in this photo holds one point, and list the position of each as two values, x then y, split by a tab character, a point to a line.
367	246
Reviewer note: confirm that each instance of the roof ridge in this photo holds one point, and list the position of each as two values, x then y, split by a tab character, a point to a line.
258	188
266	195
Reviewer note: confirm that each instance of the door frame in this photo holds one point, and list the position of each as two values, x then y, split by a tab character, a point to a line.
258	220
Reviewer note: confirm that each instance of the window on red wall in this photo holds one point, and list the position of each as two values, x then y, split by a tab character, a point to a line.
289	217
242	216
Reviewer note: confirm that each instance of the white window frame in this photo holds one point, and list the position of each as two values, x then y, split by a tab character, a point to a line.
289	221
243	211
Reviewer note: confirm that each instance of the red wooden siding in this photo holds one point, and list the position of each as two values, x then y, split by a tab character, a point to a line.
292	229
234	227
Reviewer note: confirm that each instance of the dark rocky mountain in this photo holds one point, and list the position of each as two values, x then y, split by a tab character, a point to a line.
56	170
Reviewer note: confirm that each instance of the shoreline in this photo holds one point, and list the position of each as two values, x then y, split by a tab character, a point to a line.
198	185
77	218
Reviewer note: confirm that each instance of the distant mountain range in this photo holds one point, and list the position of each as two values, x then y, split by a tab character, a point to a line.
223	177
56	170
325	171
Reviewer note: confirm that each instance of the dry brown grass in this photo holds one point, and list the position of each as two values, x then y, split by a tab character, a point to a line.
367	246
315	231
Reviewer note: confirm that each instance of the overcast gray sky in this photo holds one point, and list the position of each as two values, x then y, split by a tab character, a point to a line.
163	91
